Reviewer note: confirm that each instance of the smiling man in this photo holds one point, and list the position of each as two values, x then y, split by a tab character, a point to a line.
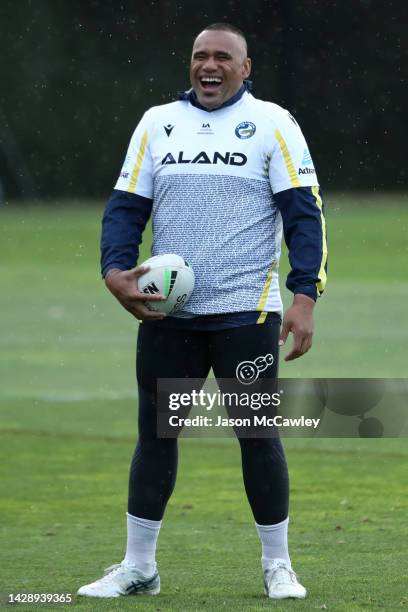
222	174
219	65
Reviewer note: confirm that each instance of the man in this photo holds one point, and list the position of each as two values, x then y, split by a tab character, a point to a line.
220	172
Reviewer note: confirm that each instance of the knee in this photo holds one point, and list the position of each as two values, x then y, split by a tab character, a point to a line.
262	448
156	448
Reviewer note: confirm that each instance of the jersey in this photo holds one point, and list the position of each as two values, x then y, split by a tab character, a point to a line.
213	178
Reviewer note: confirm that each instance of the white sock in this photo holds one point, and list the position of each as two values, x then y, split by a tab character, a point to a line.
274	539
142	537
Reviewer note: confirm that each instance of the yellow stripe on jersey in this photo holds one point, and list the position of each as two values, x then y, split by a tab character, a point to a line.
138	164
265	291
322	272
288	160
262	317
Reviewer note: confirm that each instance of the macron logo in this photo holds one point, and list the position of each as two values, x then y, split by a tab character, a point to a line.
168	129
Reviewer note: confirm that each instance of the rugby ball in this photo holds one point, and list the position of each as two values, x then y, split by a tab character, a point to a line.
171	276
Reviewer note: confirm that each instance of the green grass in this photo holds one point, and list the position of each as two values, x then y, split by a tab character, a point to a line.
68	407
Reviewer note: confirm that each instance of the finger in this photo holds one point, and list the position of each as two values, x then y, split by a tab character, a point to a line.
301	346
154	316
138	271
148	297
294	354
306	344
284	334
136	300
146	314
297	347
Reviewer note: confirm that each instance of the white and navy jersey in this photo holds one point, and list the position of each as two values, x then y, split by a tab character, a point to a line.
212	182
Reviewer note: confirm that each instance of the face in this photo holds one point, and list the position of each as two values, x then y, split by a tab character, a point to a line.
218	66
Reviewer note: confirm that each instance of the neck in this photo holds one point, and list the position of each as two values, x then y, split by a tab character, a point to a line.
246	86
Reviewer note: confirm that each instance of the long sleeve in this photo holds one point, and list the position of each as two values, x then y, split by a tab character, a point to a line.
130	205
296	193
304	229
124	220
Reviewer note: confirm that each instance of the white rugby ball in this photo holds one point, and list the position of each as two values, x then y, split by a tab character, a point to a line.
171	276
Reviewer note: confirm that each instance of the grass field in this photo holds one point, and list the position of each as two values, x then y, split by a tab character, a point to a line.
68	407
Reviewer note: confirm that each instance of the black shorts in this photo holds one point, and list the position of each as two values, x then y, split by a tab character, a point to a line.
248	353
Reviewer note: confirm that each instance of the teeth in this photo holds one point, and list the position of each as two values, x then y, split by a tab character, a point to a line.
210	80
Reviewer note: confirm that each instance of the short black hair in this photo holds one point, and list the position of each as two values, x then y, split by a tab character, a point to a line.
227	27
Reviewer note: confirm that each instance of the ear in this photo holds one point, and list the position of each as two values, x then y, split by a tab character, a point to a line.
246	68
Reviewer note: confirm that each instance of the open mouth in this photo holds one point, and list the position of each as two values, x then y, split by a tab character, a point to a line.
210	84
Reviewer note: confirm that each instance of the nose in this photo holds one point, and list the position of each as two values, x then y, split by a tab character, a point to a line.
210	64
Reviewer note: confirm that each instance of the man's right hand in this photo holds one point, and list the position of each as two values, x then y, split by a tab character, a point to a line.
123	285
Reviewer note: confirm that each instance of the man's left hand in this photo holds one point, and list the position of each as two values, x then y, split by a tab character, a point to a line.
298	319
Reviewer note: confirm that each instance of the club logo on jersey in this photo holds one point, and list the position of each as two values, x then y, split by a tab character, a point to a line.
168	129
245	130
231	159
247	372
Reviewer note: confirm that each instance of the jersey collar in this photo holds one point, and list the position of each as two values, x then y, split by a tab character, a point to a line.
191	97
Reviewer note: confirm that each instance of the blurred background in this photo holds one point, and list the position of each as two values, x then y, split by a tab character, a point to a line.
76	77
75	80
